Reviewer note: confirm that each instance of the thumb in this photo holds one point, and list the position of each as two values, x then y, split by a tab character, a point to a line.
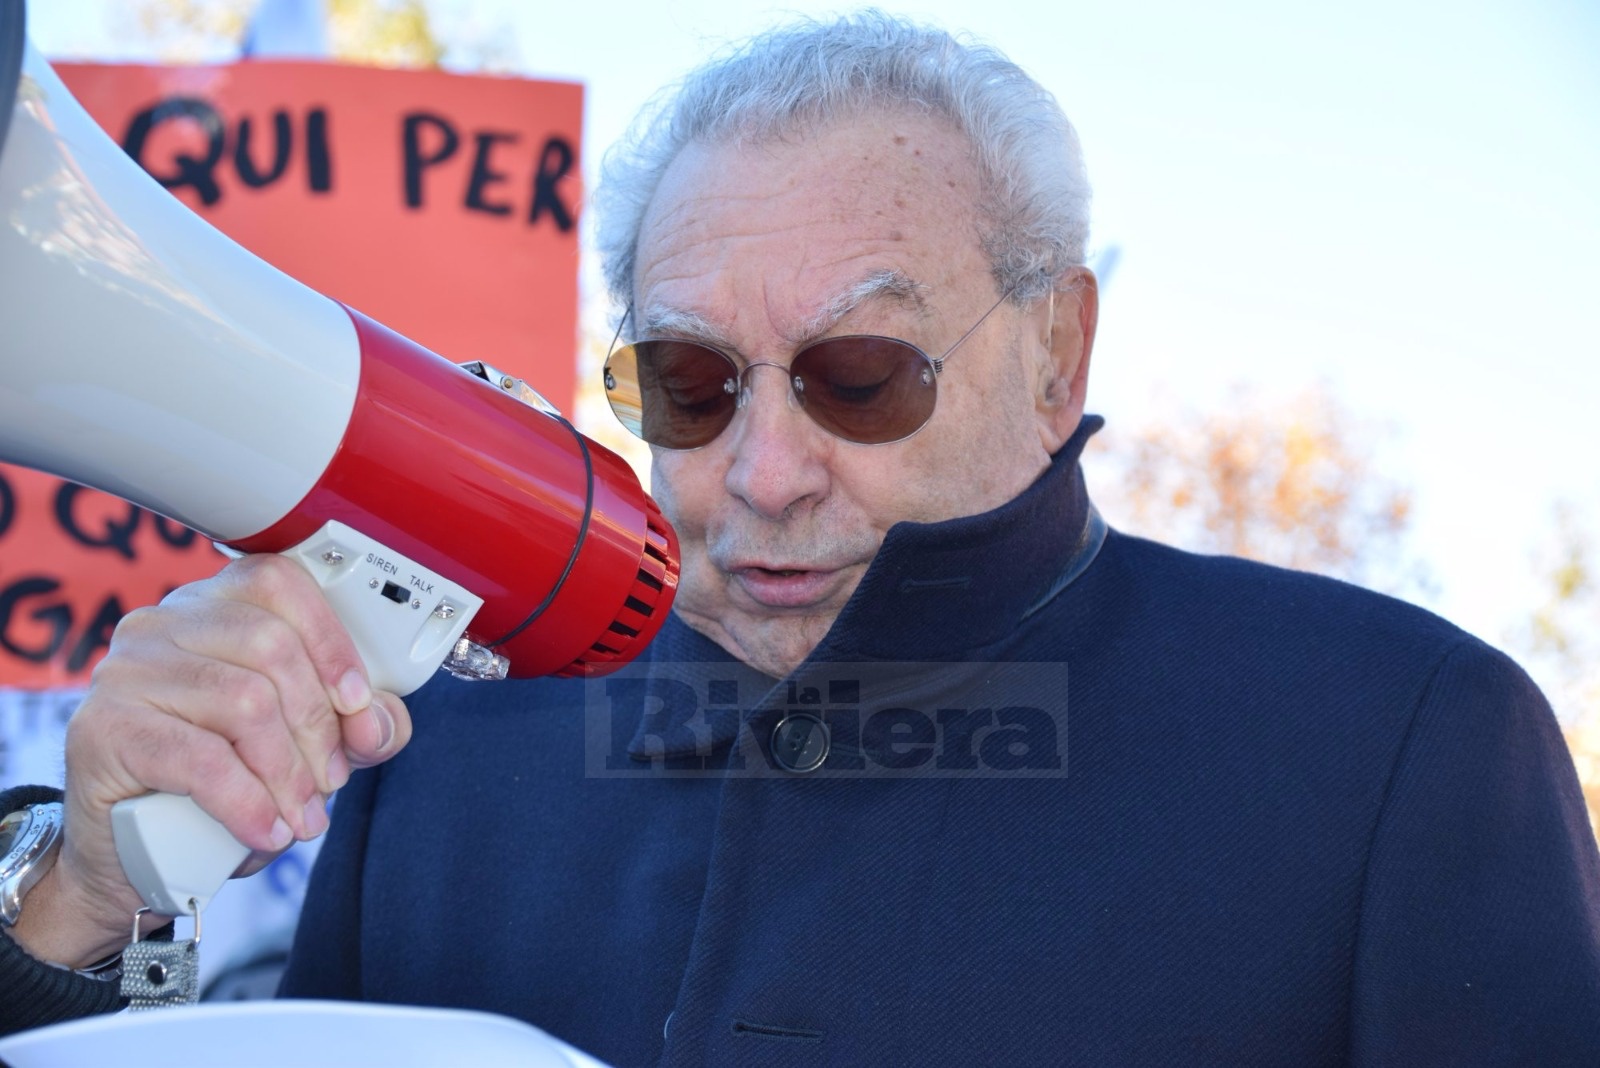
377	732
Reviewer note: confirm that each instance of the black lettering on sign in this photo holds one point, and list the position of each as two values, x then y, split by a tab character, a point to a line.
445	139
55	615
116	536
198	174
97	634
554	163
201	173
282	142
8	504
319	161
482	175
172	532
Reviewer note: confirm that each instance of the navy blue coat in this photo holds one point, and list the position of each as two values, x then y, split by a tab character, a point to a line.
1174	810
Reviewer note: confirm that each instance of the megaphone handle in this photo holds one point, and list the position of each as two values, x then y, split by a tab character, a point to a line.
173	852
404	620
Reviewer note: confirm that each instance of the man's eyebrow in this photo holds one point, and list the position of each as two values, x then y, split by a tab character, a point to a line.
889	284
677	322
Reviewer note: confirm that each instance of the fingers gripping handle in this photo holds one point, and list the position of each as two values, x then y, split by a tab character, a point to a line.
404	620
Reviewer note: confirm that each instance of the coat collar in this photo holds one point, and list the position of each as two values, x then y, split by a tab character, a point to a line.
934	591
937	589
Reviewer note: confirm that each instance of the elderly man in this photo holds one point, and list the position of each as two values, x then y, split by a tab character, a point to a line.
1302	824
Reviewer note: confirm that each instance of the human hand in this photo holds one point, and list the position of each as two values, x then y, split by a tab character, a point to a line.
243	691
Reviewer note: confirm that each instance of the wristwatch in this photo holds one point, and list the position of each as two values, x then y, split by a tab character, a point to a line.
29	839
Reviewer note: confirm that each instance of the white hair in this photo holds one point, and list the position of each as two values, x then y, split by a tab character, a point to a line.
1034	200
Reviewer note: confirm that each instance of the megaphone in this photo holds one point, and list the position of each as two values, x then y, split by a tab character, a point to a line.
450	516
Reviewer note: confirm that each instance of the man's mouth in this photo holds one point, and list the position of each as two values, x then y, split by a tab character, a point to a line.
785	587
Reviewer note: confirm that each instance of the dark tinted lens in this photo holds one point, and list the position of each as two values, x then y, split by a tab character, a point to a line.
870	390
671	393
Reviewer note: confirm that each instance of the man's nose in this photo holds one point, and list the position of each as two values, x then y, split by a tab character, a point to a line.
779	454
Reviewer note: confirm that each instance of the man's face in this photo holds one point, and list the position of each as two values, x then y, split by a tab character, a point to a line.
868	227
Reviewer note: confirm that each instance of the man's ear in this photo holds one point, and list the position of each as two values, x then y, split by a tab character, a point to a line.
1067	322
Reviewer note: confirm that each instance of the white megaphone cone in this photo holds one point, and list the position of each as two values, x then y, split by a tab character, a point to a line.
449	519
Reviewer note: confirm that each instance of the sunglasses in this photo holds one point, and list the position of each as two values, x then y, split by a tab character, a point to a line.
867	389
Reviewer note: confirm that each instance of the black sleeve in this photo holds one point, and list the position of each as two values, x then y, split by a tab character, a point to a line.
325	961
36	993
1480	927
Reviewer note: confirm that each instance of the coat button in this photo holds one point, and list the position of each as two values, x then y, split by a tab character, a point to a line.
800	742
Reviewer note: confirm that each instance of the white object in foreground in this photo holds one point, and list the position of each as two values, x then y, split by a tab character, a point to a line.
306	1034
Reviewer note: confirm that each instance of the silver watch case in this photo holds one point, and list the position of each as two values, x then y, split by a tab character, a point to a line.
30	837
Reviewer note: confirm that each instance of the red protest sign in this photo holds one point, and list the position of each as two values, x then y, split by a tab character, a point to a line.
442	205
72	562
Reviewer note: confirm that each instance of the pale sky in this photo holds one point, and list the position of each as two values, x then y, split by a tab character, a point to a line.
1397	197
